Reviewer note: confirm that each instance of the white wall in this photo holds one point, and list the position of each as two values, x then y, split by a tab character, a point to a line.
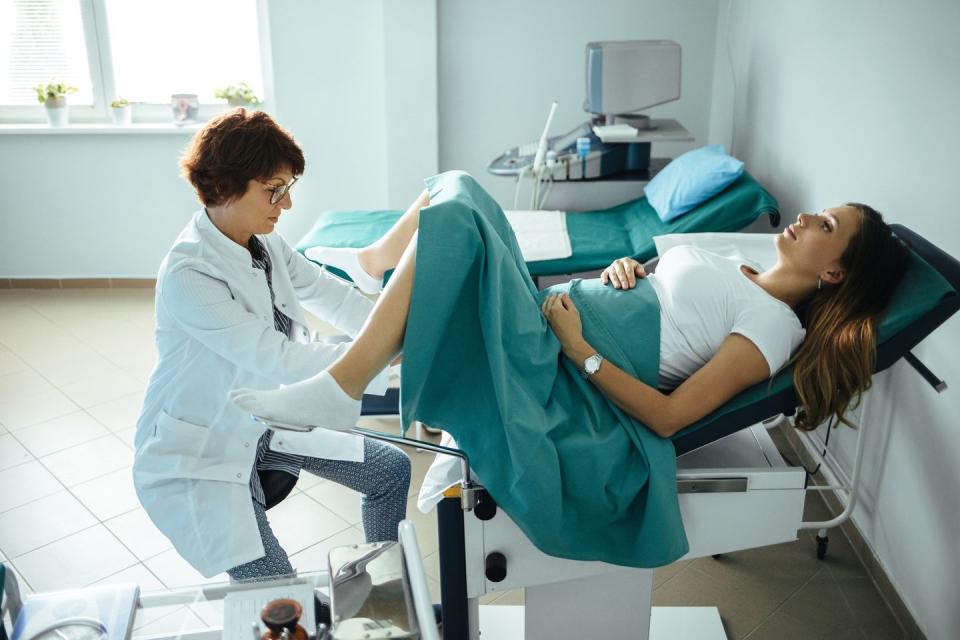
857	100
111	205
502	63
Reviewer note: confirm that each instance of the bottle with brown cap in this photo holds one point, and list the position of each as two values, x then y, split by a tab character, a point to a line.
281	618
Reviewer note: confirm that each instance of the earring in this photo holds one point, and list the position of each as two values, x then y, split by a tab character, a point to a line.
819	283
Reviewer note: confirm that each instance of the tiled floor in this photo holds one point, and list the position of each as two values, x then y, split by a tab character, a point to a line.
73	366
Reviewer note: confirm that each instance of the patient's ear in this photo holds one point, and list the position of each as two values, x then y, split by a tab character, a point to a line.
834	276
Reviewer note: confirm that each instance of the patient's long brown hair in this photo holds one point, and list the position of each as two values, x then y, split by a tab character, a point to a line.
835	363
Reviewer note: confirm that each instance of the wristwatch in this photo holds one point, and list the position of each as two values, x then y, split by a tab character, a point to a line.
591	365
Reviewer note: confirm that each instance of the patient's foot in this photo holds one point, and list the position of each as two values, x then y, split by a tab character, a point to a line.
317	401
348	260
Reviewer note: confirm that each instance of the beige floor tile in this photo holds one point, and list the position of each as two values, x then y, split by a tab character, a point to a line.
48	342
75	465
341	500
66	368
314	557
120	414
41	522
299	522
110	495
144	617
75	561
743	602
662	575
24	412
307	481
128	436
514	597
431	565
140	368
180	621
869	609
138	533
434	586
25	483
11	363
12	452
821	605
210	612
103	387
781	626
425	525
780	568
22	385
139	574
175	572
61	433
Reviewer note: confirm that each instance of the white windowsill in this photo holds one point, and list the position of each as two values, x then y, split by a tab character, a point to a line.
99	128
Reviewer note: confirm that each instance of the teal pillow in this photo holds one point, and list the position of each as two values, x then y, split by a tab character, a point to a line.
691	179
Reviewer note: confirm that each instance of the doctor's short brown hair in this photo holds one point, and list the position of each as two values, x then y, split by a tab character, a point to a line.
234	148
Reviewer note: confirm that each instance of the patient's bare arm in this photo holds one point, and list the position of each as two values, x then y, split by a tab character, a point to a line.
736	365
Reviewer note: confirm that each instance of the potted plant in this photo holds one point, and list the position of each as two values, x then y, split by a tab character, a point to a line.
121	111
54	97
240	95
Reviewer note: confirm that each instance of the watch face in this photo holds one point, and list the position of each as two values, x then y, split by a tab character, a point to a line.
592	364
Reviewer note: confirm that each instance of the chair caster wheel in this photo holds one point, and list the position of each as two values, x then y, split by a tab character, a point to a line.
822	543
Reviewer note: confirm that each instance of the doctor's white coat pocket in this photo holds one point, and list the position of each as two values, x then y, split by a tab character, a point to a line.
183	450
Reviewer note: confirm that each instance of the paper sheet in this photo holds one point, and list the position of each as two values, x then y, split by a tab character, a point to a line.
542	235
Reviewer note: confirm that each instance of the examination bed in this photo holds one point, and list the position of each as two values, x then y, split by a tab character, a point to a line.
596	237
734	489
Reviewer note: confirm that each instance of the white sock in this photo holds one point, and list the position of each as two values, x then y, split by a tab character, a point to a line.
317	401
346	259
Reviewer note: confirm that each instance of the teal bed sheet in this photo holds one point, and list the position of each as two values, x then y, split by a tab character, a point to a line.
582	479
597	237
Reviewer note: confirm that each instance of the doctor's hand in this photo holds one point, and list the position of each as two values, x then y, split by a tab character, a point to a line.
623	273
564	319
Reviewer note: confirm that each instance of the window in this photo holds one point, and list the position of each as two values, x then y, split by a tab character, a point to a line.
143	51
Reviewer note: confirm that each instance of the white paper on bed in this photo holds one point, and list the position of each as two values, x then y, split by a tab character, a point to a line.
542	235
755	249
444	472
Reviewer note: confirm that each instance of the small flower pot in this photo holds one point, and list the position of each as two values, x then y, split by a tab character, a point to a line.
57	114
122	116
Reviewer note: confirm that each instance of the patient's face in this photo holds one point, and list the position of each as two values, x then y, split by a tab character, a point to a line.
253	211
816	241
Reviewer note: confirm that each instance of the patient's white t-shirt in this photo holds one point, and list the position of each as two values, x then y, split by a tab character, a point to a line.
703	299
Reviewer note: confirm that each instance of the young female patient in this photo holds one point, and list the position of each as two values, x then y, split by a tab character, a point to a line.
575	447
723	326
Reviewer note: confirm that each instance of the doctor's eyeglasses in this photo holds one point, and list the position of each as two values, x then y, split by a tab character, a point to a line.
277	193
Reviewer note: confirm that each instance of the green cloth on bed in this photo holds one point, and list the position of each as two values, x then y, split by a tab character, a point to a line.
597	237
582	479
921	290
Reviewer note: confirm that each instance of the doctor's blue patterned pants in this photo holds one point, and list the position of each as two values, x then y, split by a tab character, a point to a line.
382	479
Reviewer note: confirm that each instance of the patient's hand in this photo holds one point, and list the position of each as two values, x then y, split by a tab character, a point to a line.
623	273
564	318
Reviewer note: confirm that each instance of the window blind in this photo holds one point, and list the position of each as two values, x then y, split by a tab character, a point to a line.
42	41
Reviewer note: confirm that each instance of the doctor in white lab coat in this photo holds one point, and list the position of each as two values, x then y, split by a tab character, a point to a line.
229	315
